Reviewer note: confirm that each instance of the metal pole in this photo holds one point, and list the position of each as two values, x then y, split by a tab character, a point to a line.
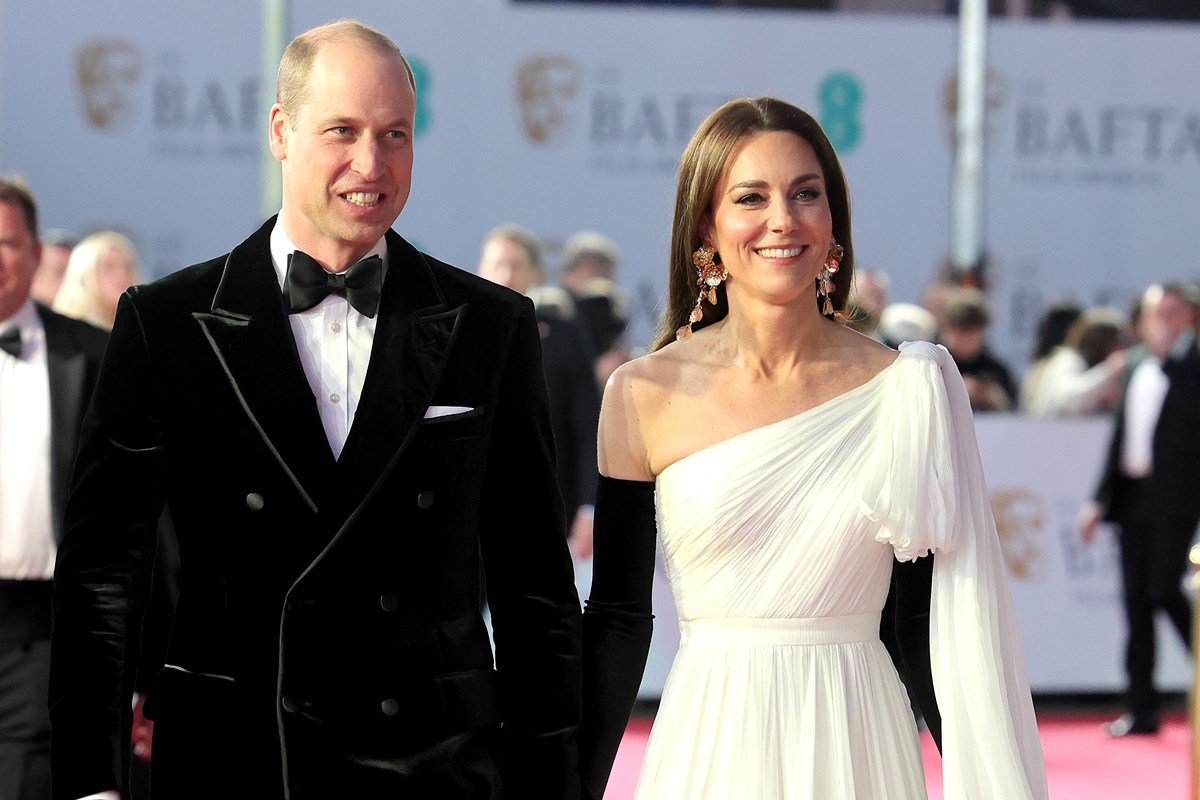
275	14
967	220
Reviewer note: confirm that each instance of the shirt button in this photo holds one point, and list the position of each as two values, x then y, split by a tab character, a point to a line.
254	501
390	707
425	500
389	602
335	398
291	704
336	327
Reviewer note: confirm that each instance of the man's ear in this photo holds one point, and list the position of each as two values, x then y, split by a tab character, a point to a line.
278	127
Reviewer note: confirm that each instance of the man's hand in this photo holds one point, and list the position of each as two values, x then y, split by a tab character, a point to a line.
580	538
143	730
1089	518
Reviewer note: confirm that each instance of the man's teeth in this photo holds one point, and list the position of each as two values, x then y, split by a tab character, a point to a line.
779	252
362	198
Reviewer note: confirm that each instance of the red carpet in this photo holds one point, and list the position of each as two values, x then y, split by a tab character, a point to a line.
1081	763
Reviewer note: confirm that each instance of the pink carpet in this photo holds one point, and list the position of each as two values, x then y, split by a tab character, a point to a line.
1081	763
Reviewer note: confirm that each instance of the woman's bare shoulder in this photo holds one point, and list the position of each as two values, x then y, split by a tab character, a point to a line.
633	396
864	355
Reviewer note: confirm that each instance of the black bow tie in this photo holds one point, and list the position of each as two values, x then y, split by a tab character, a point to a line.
307	283
10	342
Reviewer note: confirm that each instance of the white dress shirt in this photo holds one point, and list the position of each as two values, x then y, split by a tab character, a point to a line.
27	546
334	343
1143	403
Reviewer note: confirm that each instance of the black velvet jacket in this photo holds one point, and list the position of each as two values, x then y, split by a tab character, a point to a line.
328	638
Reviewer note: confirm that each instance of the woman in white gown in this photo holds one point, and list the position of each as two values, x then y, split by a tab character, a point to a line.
787	461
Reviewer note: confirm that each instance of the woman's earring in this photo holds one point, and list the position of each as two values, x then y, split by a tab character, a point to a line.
709	275
825	285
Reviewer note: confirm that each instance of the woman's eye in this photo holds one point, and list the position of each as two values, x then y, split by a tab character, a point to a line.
808	194
749	199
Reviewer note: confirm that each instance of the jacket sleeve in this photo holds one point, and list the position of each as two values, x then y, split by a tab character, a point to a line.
102	568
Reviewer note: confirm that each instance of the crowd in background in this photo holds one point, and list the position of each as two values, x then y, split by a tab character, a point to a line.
1075	357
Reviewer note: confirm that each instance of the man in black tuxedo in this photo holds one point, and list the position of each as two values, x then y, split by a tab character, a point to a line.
48	368
1148	488
344	471
511	256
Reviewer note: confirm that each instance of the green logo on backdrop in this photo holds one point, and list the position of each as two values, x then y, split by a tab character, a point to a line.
423	82
840	96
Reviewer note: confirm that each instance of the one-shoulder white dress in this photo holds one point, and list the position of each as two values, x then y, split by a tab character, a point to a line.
778	545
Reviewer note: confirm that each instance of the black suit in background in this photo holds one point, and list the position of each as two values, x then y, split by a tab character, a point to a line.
1157	517
574	407
73	353
328	640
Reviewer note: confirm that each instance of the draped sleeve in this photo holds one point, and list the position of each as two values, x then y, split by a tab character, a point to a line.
925	489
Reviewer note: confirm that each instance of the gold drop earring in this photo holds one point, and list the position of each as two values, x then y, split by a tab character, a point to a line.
825	286
709	275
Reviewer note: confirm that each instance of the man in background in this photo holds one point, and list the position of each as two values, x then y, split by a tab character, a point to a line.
963	330
589	270
57	245
1148	488
48	367
511	256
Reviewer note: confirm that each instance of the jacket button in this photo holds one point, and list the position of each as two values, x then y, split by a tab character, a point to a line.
254	501
290	704
390	707
389	602
425	500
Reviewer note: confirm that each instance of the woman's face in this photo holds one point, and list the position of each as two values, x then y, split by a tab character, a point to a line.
114	274
770	218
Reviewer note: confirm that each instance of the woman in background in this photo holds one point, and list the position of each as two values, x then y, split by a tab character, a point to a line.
100	269
788	461
1081	375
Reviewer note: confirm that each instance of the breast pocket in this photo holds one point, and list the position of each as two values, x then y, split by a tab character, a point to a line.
453	427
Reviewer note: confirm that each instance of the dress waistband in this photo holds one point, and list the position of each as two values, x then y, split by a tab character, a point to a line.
776	631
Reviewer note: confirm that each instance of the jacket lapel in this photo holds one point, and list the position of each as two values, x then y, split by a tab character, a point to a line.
248	331
66	366
413	339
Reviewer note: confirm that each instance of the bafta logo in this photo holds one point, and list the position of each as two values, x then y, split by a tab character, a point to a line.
995	97
546	86
1020	517
107	70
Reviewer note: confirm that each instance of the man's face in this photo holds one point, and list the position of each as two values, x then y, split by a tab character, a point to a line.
19	254
507	263
347	152
1165	315
50	271
963	343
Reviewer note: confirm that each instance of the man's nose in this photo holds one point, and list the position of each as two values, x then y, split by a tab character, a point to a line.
368	158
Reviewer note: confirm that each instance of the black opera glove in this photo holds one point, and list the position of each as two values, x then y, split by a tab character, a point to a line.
617	623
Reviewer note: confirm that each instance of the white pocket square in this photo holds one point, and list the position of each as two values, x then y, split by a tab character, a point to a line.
445	411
